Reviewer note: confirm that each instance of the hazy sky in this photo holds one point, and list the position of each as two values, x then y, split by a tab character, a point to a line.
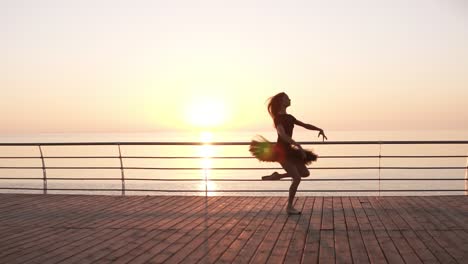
149	66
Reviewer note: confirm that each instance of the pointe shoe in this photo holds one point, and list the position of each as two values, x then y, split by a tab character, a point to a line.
273	177
292	211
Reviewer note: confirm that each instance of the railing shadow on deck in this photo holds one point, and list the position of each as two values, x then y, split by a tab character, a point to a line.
123	169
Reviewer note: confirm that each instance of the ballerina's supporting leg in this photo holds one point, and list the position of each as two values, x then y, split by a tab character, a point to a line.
292	171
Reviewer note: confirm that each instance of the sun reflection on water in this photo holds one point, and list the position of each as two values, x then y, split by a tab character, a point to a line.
206	151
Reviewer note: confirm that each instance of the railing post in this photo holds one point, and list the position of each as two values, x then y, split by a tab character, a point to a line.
44	172
122	170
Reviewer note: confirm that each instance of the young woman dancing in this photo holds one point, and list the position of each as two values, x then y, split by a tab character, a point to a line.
292	157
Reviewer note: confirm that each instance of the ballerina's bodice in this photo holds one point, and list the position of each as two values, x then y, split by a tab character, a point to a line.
287	121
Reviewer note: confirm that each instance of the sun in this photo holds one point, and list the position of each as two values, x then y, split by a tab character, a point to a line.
206	112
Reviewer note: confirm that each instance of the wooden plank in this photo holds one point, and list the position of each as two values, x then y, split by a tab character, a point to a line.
105	229
358	249
118	214
361	217
363	245
439	252
27	212
448	211
408	213
47	246
45	221
406	251
248	251
400	208
100	251
312	244
339	222
422	217
225	236
377	243
281	246
164	228
265	248
248	233
342	248
382	213
85	242
187	230
396	218
350	217
296	247
374	251
372	216
419	247
48	236
327	214
388	247
404	248
10	202
327	246
50	211
449	240
189	244
116	242
451	243
434	214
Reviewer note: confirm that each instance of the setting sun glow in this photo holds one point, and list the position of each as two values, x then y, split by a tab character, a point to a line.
206	112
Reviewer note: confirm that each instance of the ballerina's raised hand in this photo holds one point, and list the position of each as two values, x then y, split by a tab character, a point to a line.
322	134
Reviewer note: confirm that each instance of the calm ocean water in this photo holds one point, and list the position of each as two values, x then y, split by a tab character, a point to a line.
206	165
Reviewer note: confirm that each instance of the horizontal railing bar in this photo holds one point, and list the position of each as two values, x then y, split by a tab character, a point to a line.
230	157
411	190
21	188
233	168
25	178
337	179
56	178
245	157
231	180
276	168
397	142
65	157
213	191
22	157
56	189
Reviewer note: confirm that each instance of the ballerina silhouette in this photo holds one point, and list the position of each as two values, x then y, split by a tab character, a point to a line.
292	157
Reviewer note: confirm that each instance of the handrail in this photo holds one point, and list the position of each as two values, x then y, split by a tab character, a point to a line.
227	180
235	168
123	168
240	143
233	157
227	191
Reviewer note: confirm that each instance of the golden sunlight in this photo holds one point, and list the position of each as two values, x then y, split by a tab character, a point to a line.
206	137
206	112
206	151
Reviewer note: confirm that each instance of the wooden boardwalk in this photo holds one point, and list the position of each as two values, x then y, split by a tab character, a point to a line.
177	229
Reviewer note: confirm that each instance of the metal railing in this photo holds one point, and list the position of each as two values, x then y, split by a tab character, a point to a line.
123	168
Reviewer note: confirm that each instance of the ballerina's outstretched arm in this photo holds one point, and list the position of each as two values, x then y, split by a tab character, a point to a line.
312	127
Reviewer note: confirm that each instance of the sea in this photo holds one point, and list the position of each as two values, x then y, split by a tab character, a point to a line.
205	170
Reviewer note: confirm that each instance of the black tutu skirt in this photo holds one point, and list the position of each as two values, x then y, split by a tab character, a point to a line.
267	151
